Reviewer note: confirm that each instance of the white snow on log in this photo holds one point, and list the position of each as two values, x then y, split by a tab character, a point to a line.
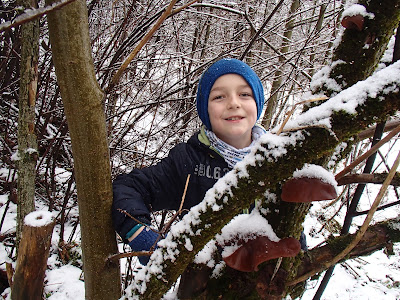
38	218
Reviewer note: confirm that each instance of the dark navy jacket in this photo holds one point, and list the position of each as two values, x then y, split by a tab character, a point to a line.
161	186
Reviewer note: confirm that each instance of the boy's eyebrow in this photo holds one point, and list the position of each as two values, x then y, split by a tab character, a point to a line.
223	87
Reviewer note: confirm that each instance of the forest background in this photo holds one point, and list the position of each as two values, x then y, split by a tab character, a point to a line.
149	105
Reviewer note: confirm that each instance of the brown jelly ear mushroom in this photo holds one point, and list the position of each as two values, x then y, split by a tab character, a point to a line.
353	22
252	253
304	189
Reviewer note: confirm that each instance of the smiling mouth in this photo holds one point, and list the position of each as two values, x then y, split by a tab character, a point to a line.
234	118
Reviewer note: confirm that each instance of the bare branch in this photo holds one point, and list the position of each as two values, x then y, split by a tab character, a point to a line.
146	38
368	178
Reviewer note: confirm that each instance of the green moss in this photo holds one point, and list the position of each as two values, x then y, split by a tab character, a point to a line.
233	285
337	245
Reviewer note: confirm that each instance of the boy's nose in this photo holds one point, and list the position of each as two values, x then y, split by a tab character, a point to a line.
234	101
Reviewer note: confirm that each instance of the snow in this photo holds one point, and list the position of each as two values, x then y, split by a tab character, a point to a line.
244	227
362	279
38	218
205	256
322	77
15	156
64	283
314	171
387	57
357	9
386	80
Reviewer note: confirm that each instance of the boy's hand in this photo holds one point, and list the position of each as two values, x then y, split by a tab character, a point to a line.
146	240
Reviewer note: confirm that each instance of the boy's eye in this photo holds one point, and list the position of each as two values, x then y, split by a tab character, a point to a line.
246	94
217	97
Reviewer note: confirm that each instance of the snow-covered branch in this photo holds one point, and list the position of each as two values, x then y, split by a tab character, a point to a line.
32	14
377	88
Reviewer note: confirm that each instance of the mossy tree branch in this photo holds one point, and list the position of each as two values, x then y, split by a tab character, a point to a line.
376	178
358	53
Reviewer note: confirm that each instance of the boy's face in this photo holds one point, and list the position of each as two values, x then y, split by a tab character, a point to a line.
232	110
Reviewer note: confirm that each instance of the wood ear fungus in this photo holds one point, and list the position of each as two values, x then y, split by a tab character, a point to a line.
353	22
254	252
304	189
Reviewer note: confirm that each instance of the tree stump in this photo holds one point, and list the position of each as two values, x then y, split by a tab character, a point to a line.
32	256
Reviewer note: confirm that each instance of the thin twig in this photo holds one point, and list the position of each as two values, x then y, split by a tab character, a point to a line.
179	9
116	257
136	220
368	153
257	34
184	193
290	113
278	264
143	42
175	216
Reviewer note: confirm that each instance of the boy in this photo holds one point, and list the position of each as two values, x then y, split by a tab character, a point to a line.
230	100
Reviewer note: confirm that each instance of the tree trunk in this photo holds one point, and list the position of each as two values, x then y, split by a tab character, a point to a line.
27	144
32	257
82	98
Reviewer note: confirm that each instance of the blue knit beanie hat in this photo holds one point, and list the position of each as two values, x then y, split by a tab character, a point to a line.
216	70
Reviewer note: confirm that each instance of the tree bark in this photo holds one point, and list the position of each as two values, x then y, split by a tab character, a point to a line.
365	134
27	144
32	259
82	98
